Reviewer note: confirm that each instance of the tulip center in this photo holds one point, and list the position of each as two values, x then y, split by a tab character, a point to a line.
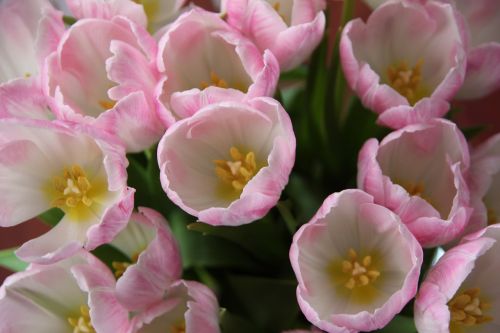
121	266
179	328
407	80
82	323
215	81
107	104
73	192
237	171
359	271
467	309
414	189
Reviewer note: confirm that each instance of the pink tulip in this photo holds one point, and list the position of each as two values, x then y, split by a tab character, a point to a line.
460	293
156	261
234	162
290	29
108	9
108	79
56	298
74	168
407	61
29	31
418	172
203	57
357	265
483	73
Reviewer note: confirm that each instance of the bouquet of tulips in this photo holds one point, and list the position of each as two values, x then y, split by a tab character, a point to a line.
249	166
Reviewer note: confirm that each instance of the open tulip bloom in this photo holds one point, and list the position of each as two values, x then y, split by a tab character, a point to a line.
461	294
410	83
357	265
418	172
76	169
235	161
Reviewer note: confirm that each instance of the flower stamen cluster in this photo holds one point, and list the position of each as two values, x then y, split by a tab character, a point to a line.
82	324
238	171
121	266
467	308
72	188
407	81
215	81
359	272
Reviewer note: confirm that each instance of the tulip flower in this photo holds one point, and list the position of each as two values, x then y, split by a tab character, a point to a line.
483	73
291	29
155	261
357	265
108	79
234	162
82	172
418	172
203	57
405	82
460	293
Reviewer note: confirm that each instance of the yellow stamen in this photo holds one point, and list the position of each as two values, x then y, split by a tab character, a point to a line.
72	188
215	80
121	266
359	272
407	81
107	104
238	171
467	308
179	328
82	323
27	75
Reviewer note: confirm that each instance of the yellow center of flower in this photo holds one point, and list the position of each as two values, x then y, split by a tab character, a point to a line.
467	309
107	104
179	328
121	266
358	270
413	189
82	323
237	171
215	81
407	80
72	188
75	194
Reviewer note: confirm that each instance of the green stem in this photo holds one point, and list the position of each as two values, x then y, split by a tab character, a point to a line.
287	216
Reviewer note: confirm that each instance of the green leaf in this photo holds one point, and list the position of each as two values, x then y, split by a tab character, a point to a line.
9	260
200	250
269	303
52	216
265	239
400	324
232	323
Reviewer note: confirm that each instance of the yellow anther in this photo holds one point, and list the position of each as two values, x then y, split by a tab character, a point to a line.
215	80
121	266
179	328
107	104
238	171
358	272
72	188
467	308
277	6
407	81
82	323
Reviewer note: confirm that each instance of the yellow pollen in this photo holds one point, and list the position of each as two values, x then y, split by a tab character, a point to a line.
27	75
72	188
179	328
358	271
407	81
82	323
277	6
239	170
492	217
467	309
107	104
121	266
215	80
